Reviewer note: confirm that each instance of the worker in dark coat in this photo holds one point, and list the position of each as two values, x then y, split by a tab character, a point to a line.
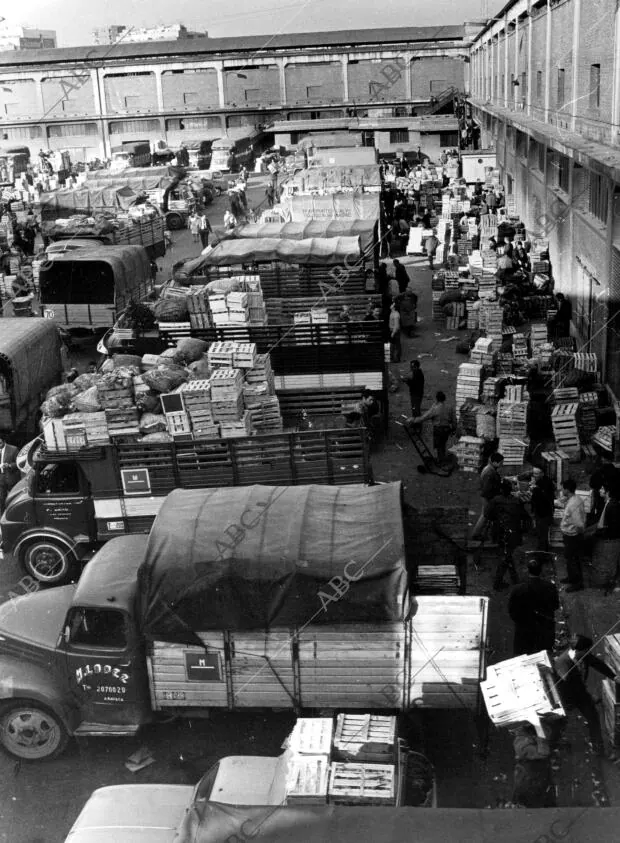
542	505
571	668
532	607
533	785
507	514
401	275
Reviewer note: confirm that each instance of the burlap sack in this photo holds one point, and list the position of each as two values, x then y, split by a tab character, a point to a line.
87	401
189	350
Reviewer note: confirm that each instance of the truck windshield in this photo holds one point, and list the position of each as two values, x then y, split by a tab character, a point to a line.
103	628
83	282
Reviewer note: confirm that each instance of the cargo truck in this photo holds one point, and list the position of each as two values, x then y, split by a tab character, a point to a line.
244	598
73	501
30	363
87	289
131	154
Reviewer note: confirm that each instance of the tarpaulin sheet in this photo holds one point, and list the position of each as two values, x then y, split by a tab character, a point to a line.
211	822
130	264
356	176
315	251
366	230
30	348
87	201
258	557
336	206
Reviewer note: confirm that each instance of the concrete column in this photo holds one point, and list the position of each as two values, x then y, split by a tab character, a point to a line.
38	84
220	83
615	103
498	68
516	93
530	81
507	85
282	73
575	65
159	90
408	82
345	77
548	63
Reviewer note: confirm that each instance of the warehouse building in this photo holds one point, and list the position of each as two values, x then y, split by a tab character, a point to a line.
545	90
87	100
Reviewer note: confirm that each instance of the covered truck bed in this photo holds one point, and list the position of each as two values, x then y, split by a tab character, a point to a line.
29	360
366	230
210	822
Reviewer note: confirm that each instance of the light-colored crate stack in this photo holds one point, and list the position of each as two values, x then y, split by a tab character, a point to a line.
261	374
586	417
611	703
199	307
516	688
438	287
117	401
366	738
511	418
307	780
539	334
513	450
227	402
196	396
586	362
362	784
473	315
94	425
556	466
519	348
468	452
491	318
484	351
565	432
468	383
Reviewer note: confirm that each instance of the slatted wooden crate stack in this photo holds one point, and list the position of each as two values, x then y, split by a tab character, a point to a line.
362	784
513	450
586	418
586	362
520	689
491	318
483	353
196	396
437	288
490	389
199	308
564	423
367	738
539	334
123	422
227	403
519	348
94	424
512	418
473	316
556	466
437	579
468	452
468	383
610	700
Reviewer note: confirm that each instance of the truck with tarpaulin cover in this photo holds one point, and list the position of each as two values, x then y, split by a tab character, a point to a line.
30	363
88	289
242	598
72	502
177	814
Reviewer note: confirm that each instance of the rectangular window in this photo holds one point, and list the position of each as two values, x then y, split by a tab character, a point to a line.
179	124
122	127
22	133
523	91
595	86
560	93
558	173
190	98
598	203
510	183
521	144
252	94
448	139
368	137
541	157
70	130
539	85
132	103
399	135
314	92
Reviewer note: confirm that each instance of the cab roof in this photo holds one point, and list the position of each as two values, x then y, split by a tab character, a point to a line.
109	579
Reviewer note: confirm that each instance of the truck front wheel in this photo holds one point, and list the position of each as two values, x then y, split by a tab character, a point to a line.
31	732
175	222
48	562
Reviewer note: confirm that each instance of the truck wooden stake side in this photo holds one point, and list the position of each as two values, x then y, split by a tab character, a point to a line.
250	597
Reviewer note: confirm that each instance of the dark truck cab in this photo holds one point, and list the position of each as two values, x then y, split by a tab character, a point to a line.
72	659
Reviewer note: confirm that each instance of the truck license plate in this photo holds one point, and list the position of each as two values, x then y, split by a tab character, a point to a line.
173	695
48	313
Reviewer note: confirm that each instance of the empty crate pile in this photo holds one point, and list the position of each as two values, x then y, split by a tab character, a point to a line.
186	393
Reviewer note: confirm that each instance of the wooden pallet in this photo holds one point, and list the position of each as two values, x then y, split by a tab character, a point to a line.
365	738
362	784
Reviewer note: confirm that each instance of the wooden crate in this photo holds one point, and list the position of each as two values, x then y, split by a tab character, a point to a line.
111	398
611	712
519	689
365	738
177	423
565	432
121	417
312	736
307	780
362	784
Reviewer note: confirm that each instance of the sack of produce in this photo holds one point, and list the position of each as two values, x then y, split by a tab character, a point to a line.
171	310
148	402
164	380
65	389
189	350
223	285
87	401
151	423
57	406
107	366
86	380
156	437
167	356
200	369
